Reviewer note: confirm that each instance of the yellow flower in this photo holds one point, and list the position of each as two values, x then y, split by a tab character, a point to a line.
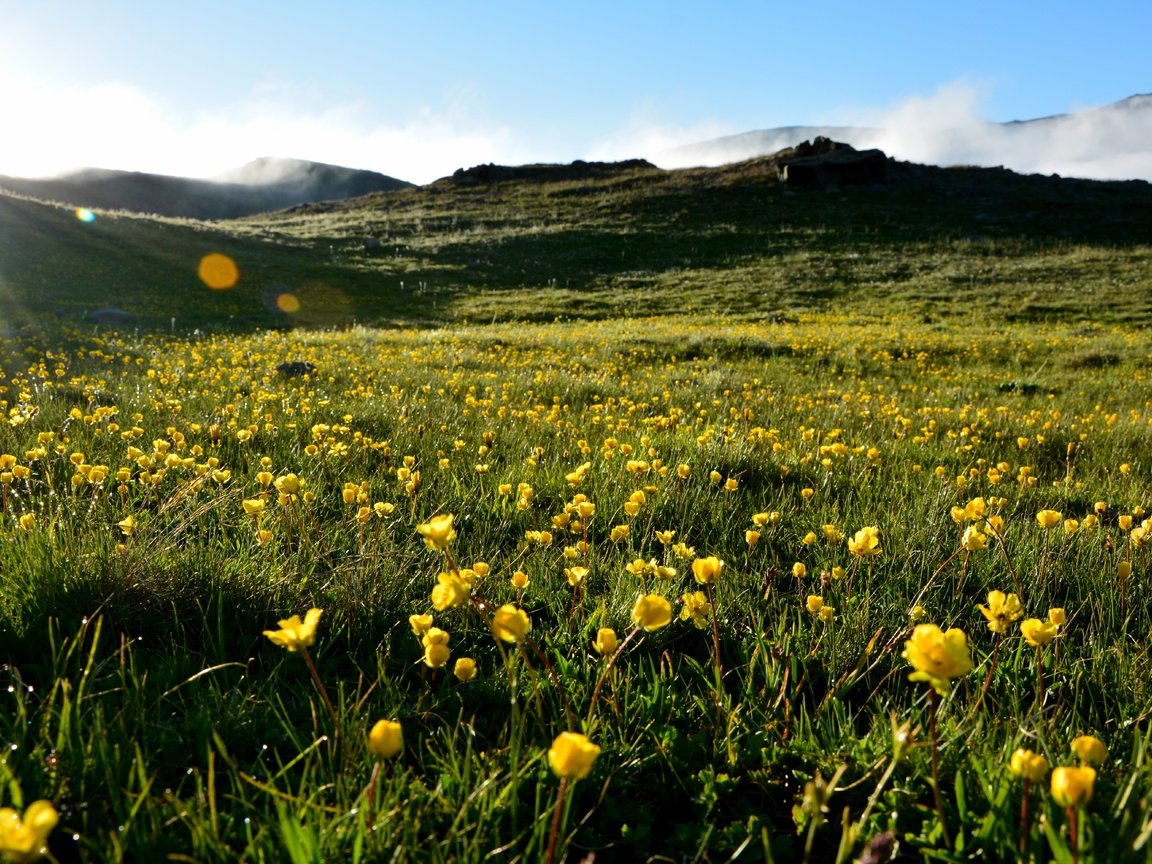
127	525
974	539
1031	766
665	537
1037	632
449	591
827	613
1071	526
799	570
1001	610
937	656
436	650
1124	569
1057	616
619	532
520	580
707	570
575	575
866	542
295	634
420	623
572	755
386	739
696	609
1089	749
809	539
751	537
1072	787
27	522
465	669
438	531
605	644
1049	519
253	506
651	612
511	624
24	839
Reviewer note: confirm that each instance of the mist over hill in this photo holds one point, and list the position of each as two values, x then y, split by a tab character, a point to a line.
260	186
1113	142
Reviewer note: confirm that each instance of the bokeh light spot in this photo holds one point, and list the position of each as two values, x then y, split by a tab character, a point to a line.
288	303
218	271
85	215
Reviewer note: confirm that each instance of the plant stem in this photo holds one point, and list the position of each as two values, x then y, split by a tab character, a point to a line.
555	833
936	767
991	671
604	675
1024	819
323	691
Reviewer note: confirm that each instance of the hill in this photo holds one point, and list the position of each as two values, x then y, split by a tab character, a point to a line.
546	242
263	185
1107	142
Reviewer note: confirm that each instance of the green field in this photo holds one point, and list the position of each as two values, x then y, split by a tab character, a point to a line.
861	401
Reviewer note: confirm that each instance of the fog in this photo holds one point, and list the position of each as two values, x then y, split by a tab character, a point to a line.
1113	142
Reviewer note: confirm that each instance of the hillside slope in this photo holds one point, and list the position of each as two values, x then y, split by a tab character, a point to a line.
626	240
258	187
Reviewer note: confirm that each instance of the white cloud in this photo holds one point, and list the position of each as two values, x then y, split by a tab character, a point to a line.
946	128
646	138
52	128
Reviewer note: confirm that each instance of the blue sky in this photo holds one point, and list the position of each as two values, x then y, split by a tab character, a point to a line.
419	89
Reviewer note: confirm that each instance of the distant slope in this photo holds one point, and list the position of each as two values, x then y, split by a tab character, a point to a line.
1112	142
599	241
261	186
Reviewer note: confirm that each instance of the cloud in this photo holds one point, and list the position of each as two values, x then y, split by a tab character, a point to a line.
52	128
1113	142
644	137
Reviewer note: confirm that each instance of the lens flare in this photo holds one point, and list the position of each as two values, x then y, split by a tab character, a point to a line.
288	303
85	215
218	271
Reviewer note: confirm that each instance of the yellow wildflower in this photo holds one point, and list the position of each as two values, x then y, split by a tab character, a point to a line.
295	634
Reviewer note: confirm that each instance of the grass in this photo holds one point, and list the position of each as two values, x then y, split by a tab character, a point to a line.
138	574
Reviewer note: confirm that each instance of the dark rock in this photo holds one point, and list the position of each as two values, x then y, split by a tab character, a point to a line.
295	368
823	163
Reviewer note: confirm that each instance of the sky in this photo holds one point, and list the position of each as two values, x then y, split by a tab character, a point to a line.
420	88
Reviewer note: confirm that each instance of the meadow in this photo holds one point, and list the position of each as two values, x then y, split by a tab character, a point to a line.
848	577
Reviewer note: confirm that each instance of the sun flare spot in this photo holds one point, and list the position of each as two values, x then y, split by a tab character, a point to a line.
288	303
218	271
85	215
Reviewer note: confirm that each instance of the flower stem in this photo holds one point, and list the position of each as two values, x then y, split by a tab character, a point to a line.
1024	819
991	671
608	667
555	833
321	688
936	768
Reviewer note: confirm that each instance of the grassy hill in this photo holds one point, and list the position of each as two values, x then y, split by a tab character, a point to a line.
257	187
632	241
809	430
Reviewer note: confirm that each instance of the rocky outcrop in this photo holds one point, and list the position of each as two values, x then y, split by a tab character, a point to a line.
823	162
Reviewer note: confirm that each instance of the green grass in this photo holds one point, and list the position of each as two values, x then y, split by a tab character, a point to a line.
849	359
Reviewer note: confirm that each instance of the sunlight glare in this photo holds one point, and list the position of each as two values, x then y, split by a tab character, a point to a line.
218	271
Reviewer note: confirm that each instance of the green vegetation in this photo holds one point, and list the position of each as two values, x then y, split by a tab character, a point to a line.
868	442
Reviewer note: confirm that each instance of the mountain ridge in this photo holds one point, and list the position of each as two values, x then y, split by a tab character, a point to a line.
263	185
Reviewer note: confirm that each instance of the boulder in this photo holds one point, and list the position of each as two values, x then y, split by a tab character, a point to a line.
822	163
